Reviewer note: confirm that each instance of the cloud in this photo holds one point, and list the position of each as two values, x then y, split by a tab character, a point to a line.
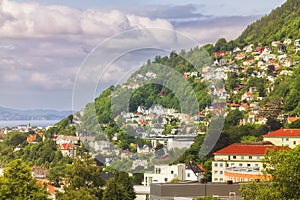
175	12
45	81
208	31
43	46
32	20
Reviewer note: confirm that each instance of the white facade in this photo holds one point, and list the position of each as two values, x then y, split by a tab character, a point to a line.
284	137
235	163
64	139
166	173
241	162
291	142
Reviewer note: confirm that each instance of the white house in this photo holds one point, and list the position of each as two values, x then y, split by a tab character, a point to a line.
181	172
68	150
297	42
65	139
247	96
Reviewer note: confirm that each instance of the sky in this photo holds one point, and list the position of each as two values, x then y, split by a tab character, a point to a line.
51	48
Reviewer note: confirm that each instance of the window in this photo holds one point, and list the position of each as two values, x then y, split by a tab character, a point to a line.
248	165
232	164
188	175
287	139
256	165
216	179
242	157
234	157
166	179
241	164
250	157
221	172
221	179
221	164
216	172
216	164
258	157
294	143
172	172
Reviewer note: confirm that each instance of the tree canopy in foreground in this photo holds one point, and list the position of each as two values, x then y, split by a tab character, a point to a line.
284	167
18	184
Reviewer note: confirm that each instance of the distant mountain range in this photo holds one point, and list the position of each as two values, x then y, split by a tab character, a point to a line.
9	114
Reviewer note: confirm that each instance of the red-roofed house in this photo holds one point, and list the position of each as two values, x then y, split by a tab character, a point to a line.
2	136
219	54
247	96
284	137
240	162
68	150
31	139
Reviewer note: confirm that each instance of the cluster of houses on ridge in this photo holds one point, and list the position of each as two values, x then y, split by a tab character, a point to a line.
254	61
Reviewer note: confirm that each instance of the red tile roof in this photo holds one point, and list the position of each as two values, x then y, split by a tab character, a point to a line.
258	148
218	54
66	146
284	133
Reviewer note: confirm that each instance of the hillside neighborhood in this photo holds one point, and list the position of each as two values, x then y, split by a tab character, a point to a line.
167	131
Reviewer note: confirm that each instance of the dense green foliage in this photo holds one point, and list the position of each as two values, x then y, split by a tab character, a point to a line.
287	91
119	188
43	153
64	127
281	23
284	167
84	174
18	184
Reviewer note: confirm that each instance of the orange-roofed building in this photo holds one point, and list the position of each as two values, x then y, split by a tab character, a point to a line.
31	139
241	162
292	119
284	137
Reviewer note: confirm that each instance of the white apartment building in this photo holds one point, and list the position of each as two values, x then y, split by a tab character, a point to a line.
240	162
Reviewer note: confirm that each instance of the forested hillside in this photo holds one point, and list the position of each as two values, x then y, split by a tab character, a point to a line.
281	23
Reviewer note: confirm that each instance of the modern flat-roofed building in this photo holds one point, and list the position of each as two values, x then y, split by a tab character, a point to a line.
180	172
188	191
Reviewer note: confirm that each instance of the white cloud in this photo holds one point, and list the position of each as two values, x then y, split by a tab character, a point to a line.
45	81
32	20
43	45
